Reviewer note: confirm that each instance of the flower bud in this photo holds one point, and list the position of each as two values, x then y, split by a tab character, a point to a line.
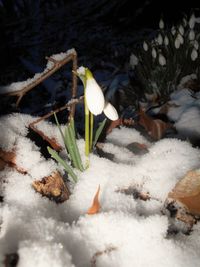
160	39
161	24
191	35
93	94
110	112
145	46
194	54
161	60
166	40
154	53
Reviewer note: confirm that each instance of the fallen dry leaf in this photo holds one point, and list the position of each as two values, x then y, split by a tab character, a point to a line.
156	128
119	122
95	205
9	157
51	140
52	187
187	192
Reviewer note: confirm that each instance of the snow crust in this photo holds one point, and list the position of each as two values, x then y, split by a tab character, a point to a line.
127	232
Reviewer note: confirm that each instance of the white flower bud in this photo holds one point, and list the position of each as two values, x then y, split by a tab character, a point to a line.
184	22
161	60
180	37
191	35
133	61
181	30
161	24
166	40
192	21
93	94
110	112
173	30
160	39
145	46
154	53
194	54
177	43
196	44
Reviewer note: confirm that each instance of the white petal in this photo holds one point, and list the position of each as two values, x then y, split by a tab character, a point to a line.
110	112
194	54
94	97
154	53
166	41
162	60
161	24
191	35
145	46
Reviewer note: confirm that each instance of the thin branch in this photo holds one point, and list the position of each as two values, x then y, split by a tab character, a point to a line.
57	65
52	141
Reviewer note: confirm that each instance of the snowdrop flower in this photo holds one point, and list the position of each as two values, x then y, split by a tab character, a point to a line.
93	94
166	40
173	30
160	39
177	43
181	30
133	61
192	21
196	44
191	35
110	112
154	53
161	24
180	37
184	22
194	54
161	60
145	46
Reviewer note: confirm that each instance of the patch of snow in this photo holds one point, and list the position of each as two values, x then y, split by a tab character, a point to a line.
127	231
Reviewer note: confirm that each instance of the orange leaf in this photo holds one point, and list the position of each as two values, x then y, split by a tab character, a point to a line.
95	205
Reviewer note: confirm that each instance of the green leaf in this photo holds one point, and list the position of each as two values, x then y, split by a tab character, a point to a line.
66	166
61	132
77	156
98	131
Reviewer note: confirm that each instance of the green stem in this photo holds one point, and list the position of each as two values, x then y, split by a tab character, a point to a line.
91	130
87	130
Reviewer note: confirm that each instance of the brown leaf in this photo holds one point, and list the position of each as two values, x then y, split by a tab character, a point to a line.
51	140
95	205
156	128
53	187
9	157
2	164
187	192
119	122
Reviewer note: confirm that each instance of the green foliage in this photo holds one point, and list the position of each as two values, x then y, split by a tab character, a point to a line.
69	139
66	166
161	63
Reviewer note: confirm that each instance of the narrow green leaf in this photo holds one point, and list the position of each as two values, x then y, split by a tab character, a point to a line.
61	132
77	156
99	131
66	166
70	148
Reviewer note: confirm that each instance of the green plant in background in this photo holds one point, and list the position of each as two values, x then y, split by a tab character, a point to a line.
94	104
160	63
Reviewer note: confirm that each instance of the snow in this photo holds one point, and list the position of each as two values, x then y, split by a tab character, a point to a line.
127	232
17	86
185	110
